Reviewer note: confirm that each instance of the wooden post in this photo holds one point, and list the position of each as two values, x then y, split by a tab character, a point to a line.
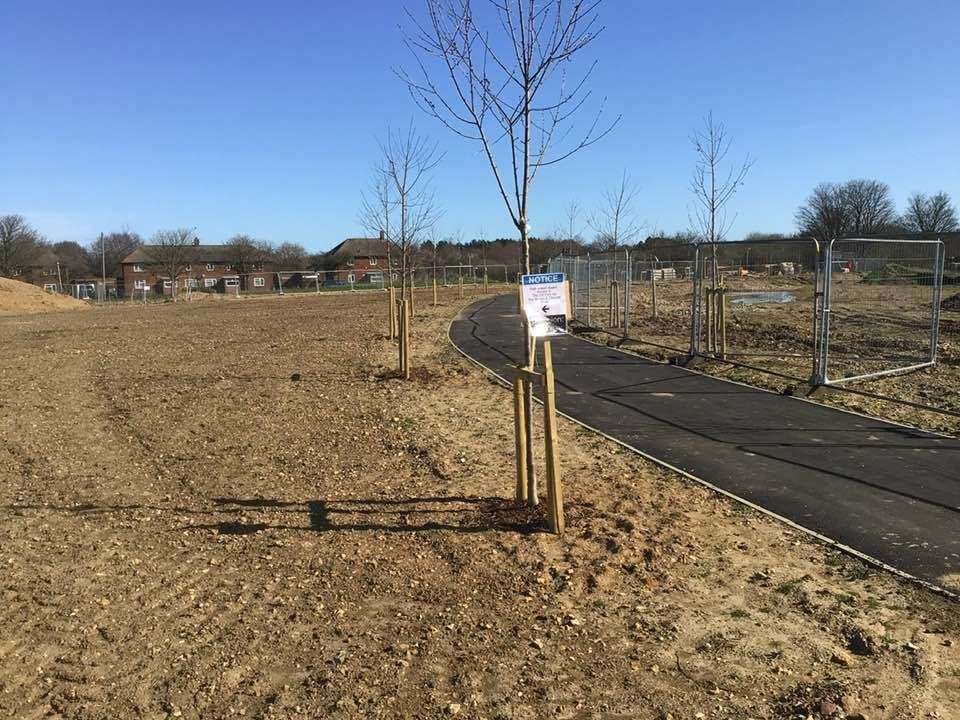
519	298
653	288
709	298
434	290
570	310
617	322
520	438
400	345
555	515
461	287
723	321
406	341
392	307
410	296
610	304
486	282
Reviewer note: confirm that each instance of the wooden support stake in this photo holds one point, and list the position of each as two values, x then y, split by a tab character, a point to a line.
486	282
401	347
617	321
461	287
406	341
723	321
392	308
555	515
610	304
520	438
410	298
653	288
434	290
709	298
570	309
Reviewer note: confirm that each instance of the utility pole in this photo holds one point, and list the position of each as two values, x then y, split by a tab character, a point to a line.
103	270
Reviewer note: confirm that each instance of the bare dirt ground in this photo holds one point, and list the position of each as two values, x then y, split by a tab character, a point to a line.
186	531
18	298
874	326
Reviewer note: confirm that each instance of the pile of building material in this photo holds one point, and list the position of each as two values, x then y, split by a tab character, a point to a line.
19	298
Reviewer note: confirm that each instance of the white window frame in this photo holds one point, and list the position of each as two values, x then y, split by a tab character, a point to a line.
351	278
190	283
259	282
209	266
167	284
138	267
188	268
140	284
50	287
209	282
372	261
231	282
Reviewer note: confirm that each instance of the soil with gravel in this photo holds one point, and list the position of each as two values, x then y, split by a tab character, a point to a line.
237	510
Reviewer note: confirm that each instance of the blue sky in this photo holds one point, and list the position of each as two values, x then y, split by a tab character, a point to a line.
262	118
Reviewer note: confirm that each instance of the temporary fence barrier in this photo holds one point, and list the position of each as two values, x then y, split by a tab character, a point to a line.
826	314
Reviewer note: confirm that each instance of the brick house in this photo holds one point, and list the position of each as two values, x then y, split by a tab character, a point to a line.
361	260
206	268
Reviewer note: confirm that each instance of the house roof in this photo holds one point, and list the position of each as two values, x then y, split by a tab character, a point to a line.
194	253
359	247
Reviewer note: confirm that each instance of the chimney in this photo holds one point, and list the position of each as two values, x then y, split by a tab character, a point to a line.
196	241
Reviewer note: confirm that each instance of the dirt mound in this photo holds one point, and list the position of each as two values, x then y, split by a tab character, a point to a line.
951	303
20	298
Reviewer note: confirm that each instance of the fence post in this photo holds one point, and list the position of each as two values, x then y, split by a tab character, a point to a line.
554	489
434	289
627	292
589	293
653	286
460	285
938	268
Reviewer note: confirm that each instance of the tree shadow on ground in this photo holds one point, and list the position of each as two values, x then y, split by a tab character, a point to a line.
460	514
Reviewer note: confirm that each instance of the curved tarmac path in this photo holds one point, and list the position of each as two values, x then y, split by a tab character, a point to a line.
886	491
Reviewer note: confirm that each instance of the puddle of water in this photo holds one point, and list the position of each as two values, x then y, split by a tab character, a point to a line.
760	298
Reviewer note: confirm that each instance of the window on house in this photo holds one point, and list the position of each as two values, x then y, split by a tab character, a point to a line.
209	282
140	284
189	283
258	282
351	278
231	282
50	287
167	283
372	261
209	266
138	268
227	267
188	268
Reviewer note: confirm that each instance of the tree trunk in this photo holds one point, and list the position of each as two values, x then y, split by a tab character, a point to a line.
528	358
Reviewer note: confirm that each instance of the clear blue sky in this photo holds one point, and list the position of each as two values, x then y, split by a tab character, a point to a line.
262	118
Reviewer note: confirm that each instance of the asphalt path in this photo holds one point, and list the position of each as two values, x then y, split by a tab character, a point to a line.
887	491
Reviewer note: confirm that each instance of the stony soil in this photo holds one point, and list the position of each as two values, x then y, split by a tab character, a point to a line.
188	531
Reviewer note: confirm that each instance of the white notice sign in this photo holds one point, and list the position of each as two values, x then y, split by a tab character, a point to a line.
545	303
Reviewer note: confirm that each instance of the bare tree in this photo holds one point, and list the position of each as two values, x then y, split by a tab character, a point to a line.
116	246
402	204
824	216
615	224
376	213
573	237
173	250
248	255
869	206
933	214
290	256
505	86
18	244
714	185
854	208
